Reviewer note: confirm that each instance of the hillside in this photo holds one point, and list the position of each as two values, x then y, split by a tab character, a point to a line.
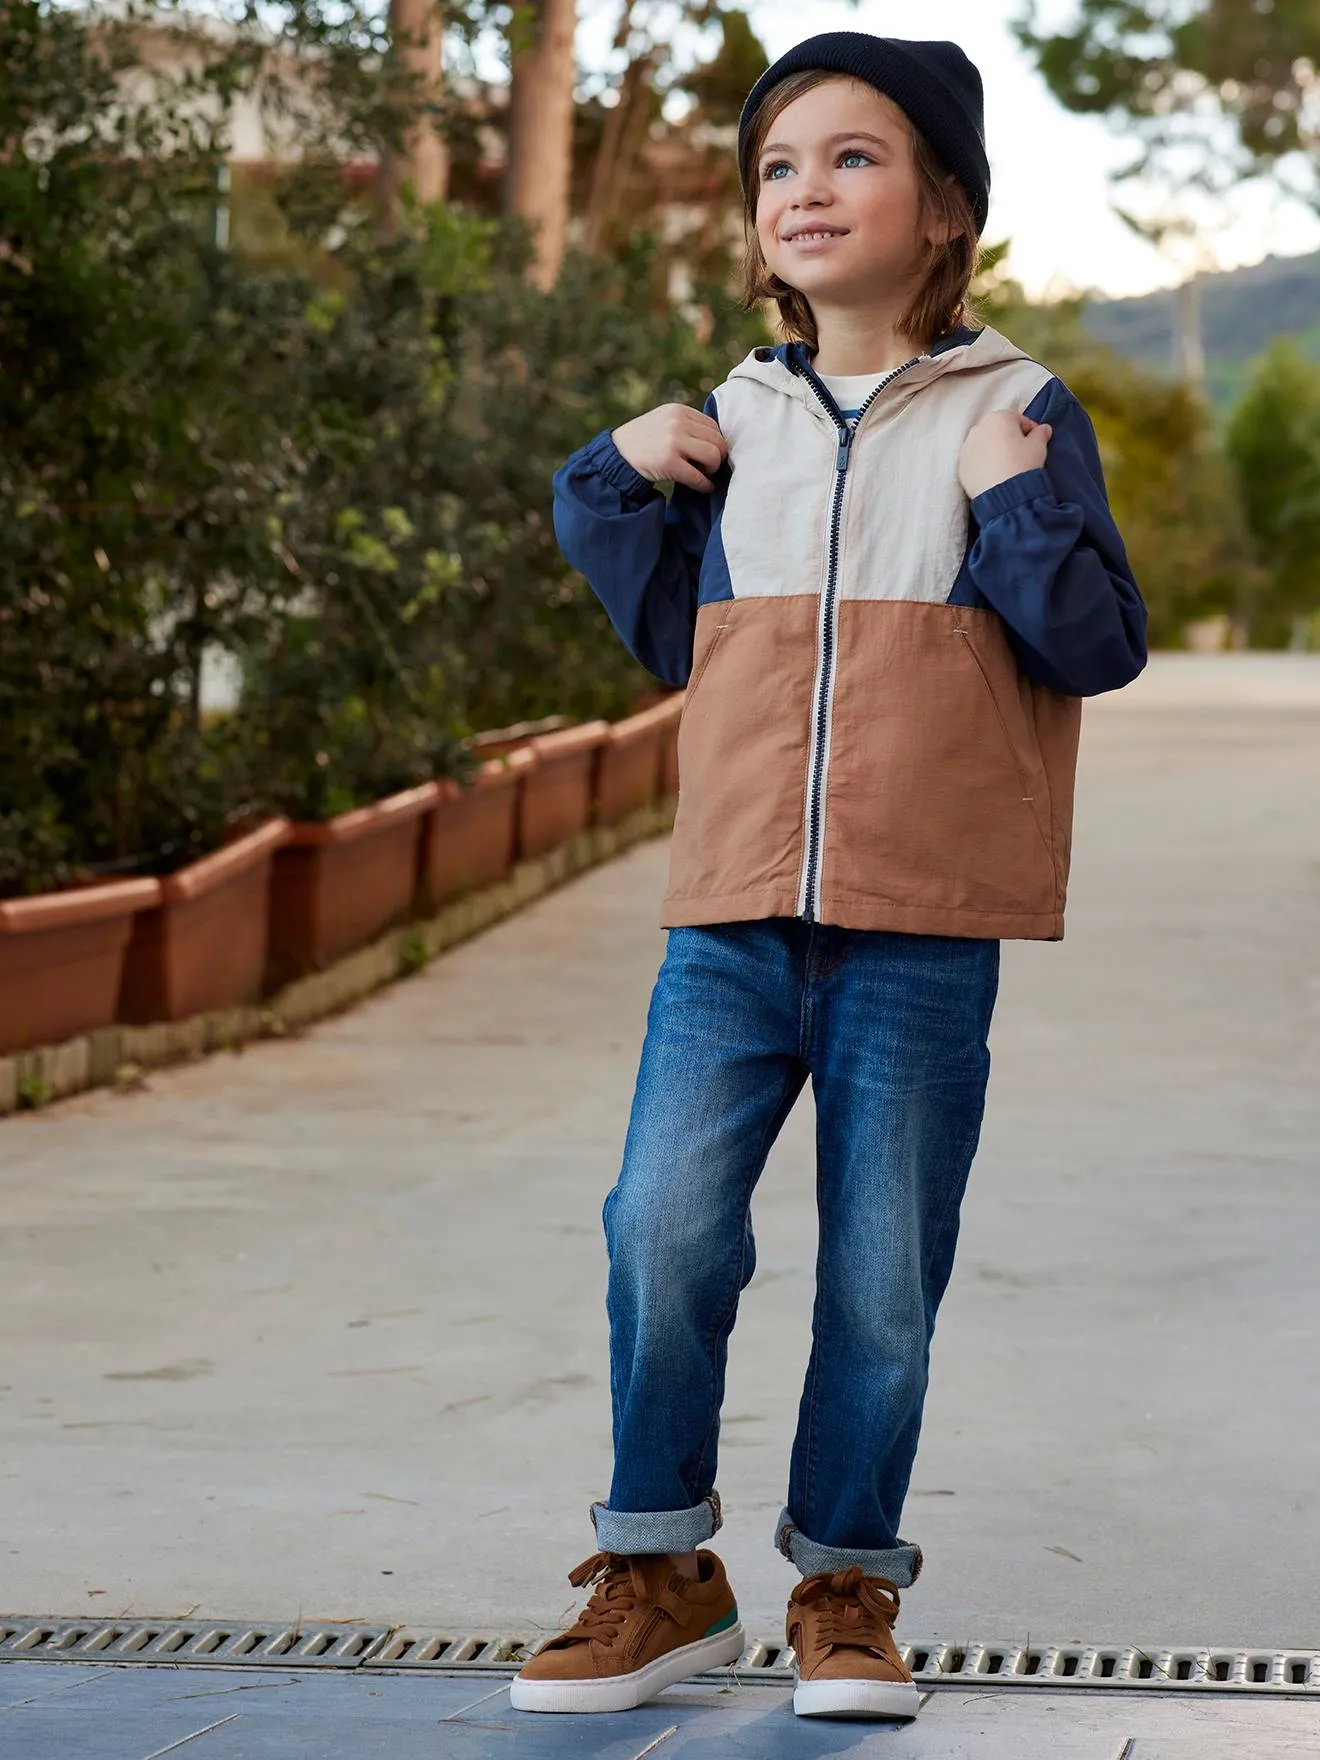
1242	312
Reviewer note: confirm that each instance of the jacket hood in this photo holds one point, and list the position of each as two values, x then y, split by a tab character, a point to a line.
783	368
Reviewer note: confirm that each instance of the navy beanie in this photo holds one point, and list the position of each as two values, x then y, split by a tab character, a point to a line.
934	83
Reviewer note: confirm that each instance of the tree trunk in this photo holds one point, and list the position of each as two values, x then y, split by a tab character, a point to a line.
599	205
1188	343
416	33
621	139
536	182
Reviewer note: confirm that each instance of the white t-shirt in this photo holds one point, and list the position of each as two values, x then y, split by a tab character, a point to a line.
850	391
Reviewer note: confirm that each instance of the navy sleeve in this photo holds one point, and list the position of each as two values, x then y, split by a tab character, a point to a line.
640	553
1049	559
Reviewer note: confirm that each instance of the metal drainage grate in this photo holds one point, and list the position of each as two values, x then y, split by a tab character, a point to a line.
1000	1665
237	1643
225	1643
404	1649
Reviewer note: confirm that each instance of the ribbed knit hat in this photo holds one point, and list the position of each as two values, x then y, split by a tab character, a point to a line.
934	83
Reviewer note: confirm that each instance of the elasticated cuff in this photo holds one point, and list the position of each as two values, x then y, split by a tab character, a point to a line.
609	463
674	1530
901	1563
1012	492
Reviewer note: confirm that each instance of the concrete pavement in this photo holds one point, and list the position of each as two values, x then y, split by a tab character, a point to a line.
320	1326
59	1711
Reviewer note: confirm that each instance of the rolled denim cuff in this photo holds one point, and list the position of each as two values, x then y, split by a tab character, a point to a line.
901	1563
663	1530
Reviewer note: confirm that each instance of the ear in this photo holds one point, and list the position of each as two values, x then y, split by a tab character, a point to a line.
943	232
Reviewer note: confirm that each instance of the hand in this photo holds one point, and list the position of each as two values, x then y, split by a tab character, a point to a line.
674	444
1000	446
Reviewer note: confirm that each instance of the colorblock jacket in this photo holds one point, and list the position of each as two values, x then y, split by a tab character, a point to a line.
883	678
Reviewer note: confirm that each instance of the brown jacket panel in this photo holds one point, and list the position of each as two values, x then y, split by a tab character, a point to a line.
947	808
742	761
939	794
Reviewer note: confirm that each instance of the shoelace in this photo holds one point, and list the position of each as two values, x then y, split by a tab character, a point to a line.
619	1588
852	1609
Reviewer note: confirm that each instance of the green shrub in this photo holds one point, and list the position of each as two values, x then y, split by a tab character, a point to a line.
327	460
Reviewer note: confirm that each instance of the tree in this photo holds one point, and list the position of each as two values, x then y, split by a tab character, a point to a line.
1230	86
633	152
196	456
542	74
1274	443
543	121
329	462
419	156
621	135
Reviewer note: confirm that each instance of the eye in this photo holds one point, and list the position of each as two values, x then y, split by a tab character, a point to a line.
768	171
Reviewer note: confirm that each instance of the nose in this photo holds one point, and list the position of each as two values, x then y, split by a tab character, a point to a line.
812	188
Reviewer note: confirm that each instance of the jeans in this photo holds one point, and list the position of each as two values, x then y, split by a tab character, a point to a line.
892	1031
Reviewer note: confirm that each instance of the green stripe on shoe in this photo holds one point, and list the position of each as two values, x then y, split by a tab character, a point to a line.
722	1625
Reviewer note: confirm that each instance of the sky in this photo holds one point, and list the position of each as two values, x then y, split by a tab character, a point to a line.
1051	194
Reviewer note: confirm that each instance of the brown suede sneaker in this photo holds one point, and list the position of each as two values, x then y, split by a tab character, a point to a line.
645	1627
840	1628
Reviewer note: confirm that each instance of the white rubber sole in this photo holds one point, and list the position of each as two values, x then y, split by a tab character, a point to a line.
624	1692
860	1698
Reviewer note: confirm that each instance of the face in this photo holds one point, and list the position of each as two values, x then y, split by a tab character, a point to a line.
838	210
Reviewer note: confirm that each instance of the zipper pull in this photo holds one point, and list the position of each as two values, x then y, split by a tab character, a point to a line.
845	441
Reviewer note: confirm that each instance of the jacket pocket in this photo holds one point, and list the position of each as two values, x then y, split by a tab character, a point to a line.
1015	729
702	661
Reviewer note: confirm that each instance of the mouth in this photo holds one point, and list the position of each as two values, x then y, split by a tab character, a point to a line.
816	236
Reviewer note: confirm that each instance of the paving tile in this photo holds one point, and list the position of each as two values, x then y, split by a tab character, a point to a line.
42	1732
1260	1744
66	1711
24	1680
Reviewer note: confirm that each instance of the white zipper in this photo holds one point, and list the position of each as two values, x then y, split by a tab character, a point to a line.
827	649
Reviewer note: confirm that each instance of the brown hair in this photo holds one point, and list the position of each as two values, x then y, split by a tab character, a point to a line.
941	303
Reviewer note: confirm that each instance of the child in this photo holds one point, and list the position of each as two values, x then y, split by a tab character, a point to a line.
886	575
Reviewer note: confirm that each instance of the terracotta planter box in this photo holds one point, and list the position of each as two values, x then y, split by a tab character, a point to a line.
557	795
631	764
204	946
498	741
61	959
338	883
469	838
